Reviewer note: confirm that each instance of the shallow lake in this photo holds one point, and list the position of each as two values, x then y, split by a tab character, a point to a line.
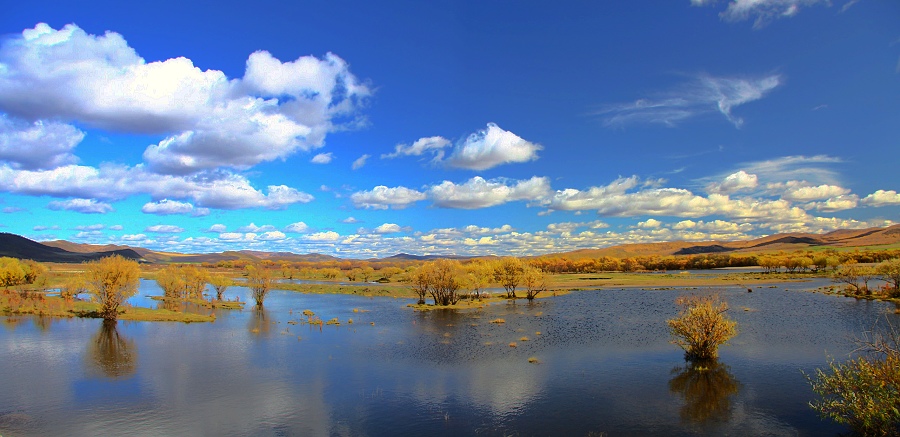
604	365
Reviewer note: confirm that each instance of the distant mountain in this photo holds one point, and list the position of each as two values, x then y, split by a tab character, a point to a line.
791	241
16	246
290	256
65	251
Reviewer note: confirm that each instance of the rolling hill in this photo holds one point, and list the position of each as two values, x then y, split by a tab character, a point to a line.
66	251
787	242
16	246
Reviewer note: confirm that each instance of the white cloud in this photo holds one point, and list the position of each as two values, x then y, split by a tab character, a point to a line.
84	206
360	162
387	228
802	191
116	228
764	11
323	236
734	182
256	229
350	220
491	147
705	94
834	204
231	236
169	207
221	190
297	228
133	237
164	229
100	81
434	145
480	193
322	158
569	227
37	145
382	197
272	236
649	224
95	227
882	198
813	170
218	228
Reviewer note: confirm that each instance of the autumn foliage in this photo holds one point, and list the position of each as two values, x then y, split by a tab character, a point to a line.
702	326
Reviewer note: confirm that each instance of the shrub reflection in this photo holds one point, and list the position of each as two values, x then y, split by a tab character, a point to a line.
111	353
260	323
706	387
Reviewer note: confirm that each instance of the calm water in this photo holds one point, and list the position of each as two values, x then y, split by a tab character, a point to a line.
604	366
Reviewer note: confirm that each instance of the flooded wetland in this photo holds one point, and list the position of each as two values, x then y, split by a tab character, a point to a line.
591	362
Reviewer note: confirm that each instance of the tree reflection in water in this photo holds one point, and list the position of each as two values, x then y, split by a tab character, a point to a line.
260	323
112	354
706	387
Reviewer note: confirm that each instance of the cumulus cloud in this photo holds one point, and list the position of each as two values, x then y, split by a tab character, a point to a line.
360	162
297	228
84	206
164	229
569	227
649	224
619	199
37	145
350	220
834	204
763	11
322	158
813	170
882	198
275	110
802	191
169	207
272	236
705	94
480	193
387	228
734	182
382	197
491	147
222	190
256	229
218	228
323	236
133	237
94	227
433	145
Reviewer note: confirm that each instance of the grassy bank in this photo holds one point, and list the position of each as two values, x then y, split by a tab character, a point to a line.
39	304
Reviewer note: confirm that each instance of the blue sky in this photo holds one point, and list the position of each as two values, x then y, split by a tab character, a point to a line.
364	129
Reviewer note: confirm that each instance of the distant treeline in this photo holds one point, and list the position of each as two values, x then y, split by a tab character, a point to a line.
801	260
791	261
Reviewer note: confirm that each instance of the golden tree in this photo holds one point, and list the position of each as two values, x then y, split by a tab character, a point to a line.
534	280
509	273
259	280
111	281
702	326
220	283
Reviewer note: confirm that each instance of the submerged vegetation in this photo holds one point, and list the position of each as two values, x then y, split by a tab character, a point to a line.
864	392
702	326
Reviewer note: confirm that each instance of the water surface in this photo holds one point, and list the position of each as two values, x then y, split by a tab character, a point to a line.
604	365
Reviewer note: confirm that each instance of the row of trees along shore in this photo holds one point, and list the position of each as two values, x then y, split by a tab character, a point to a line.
112	280
443	279
792	262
